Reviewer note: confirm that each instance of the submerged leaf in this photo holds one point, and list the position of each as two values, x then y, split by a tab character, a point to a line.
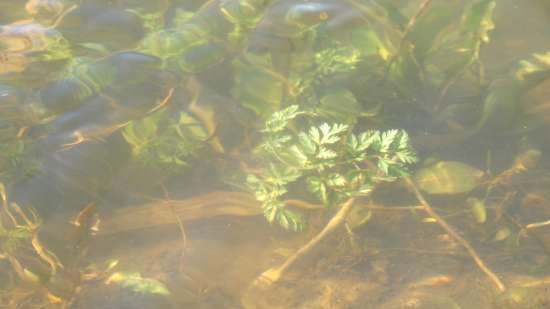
279	120
479	19
536	66
479	211
448	177
502	234
137	283
340	105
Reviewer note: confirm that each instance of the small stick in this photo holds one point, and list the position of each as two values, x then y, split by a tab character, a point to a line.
272	275
527	233
451	231
537	225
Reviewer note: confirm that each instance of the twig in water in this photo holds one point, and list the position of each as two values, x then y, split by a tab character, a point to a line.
451	231
527	233
272	275
537	225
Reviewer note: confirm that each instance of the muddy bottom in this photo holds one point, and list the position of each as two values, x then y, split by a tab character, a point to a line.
223	256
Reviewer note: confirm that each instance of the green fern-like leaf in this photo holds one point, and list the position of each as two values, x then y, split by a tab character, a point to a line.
279	120
334	163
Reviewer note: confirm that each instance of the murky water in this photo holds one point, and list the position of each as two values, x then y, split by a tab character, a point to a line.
210	154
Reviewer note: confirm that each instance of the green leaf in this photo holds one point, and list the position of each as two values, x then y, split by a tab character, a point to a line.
161	139
448	177
271	209
439	19
331	169
336	180
298	157
367	41
384	165
290	220
387	139
533	69
502	234
136	283
308	146
316	186
279	120
339	105
281	175
479	211
330	134
256	85
478	19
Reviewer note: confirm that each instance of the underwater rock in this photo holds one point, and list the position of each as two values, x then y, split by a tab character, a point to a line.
26	42
114	28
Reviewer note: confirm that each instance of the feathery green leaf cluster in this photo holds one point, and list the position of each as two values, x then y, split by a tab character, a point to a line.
333	162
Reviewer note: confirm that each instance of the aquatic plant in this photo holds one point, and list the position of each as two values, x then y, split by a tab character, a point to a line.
323	90
18	160
333	162
20	245
159	140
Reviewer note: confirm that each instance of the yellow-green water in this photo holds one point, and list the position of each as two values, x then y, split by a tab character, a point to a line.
142	158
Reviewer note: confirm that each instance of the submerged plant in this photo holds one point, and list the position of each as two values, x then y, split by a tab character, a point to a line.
20	245
158	140
17	161
333	162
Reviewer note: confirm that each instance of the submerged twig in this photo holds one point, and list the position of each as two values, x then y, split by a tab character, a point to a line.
451	231
273	275
537	225
527	233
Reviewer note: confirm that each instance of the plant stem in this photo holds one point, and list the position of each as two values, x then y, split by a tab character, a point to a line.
451	231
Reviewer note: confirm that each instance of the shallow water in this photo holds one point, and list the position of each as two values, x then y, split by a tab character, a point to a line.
129	128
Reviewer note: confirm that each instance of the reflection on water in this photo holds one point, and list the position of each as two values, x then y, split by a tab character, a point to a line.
210	154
